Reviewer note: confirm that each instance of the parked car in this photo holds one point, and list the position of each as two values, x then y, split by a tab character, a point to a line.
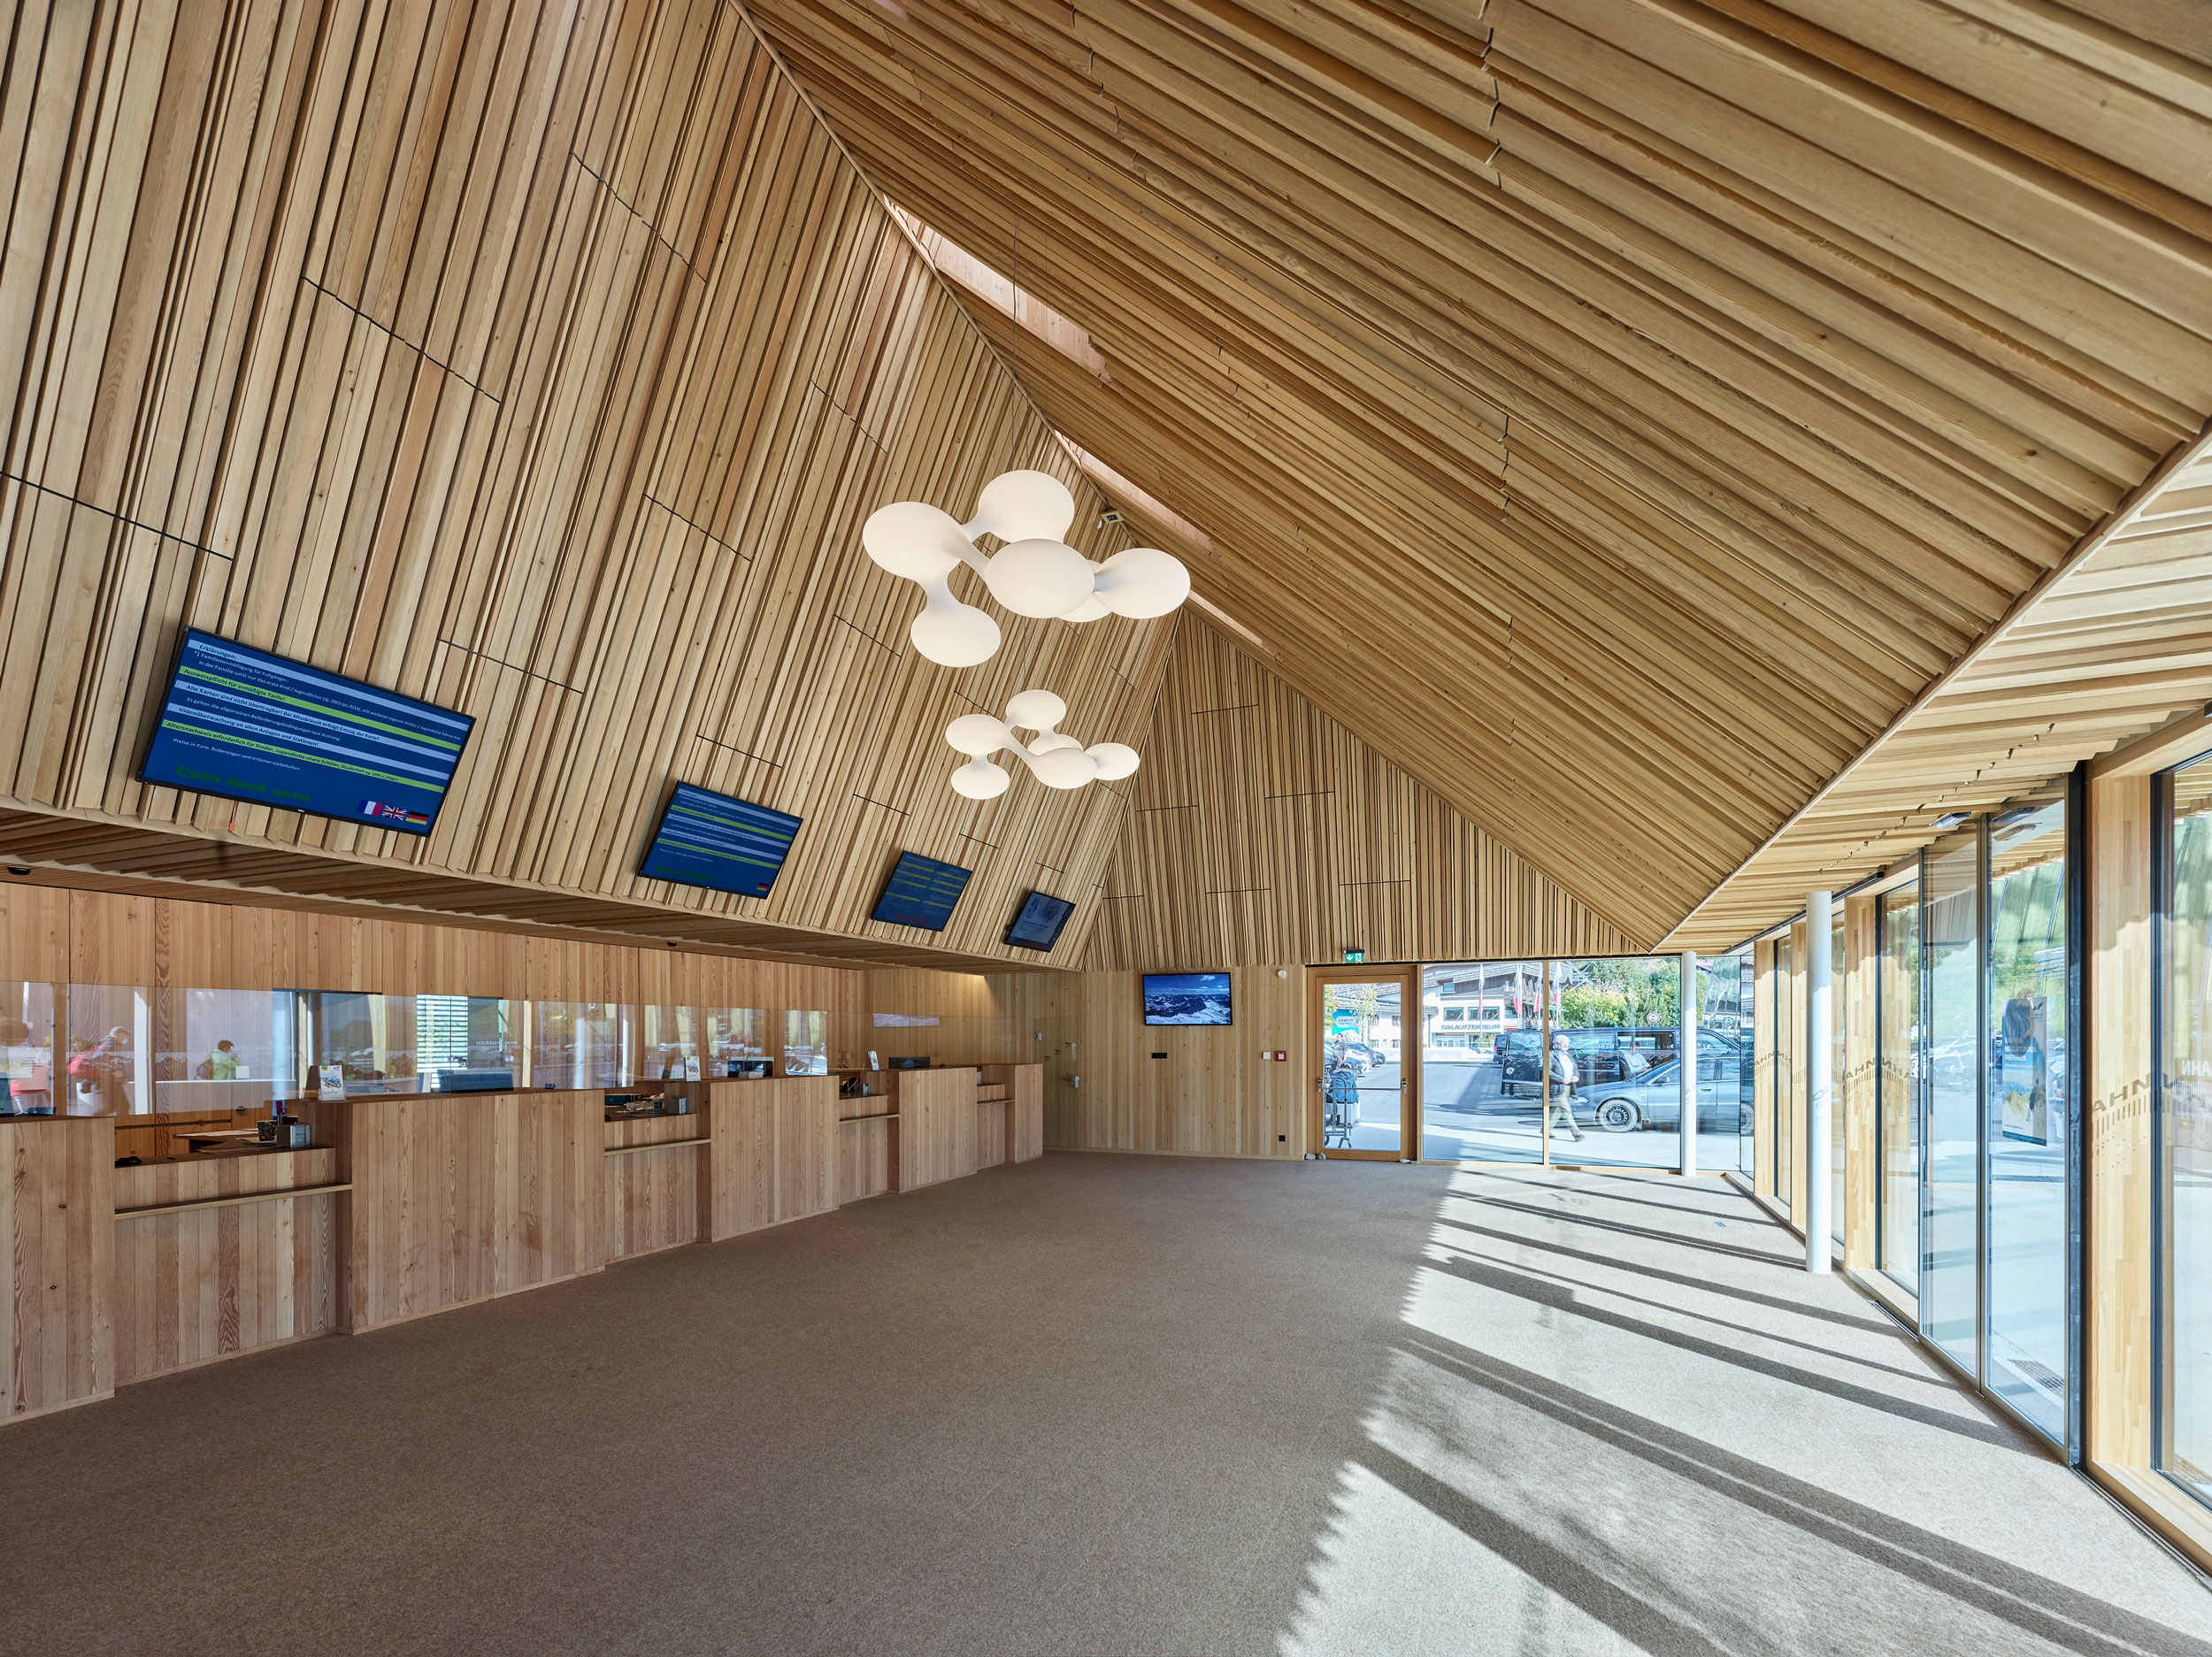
1653	1100
1602	1053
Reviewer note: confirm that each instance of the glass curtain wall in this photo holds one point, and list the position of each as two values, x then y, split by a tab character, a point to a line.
2184	1141
1729	1014
1950	1203
1897	1088
1481	1046
1788	1115
1839	1062
2029	1127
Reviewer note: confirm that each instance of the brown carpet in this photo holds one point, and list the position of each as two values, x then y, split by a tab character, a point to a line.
1103	1405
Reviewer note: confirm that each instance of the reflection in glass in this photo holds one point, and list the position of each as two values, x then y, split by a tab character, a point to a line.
1947	1286
2184	1136
1475	1014
1897	1084
218	1050
107	1064
1362	1092
464	1042
1617	1033
2029	1123
27	1050
734	1033
371	1038
1786	1102
1838	1076
671	1049
805	1043
578	1045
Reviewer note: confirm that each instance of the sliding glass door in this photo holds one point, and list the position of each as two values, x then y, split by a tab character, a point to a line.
2184	1138
1898	1104
1950	1200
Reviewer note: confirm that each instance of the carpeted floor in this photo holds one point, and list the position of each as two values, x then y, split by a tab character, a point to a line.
1103	1405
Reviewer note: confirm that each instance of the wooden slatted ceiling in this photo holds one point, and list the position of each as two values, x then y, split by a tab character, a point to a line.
1615	412
2117	644
1265	832
542	361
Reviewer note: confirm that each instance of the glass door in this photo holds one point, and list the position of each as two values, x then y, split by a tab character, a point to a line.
1362	1099
1897	1089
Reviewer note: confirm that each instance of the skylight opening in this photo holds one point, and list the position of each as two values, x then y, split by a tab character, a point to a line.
1036	318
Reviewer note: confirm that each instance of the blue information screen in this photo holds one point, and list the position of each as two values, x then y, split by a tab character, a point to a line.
249	725
710	840
921	893
1038	924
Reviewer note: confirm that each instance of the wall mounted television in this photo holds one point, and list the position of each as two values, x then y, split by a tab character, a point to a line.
1186	998
1038	923
717	842
921	893
246	724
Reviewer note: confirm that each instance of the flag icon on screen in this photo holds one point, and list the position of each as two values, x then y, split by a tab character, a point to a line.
394	814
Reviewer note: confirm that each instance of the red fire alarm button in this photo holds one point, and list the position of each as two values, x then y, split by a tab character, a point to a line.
1280	1055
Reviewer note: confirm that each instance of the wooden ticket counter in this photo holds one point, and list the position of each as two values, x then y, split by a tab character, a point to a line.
406	1204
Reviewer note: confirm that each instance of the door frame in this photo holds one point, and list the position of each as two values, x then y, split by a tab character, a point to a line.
1408	978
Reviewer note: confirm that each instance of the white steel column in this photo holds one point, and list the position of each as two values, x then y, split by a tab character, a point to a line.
1820	1082
1685	1050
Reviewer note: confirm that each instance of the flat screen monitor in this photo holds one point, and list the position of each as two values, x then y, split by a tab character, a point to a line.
247	725
1186	998
1038	924
710	840
921	893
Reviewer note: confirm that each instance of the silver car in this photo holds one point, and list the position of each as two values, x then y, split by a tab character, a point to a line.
1653	1100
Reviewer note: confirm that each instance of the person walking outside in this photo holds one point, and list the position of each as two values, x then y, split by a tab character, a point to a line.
1565	1077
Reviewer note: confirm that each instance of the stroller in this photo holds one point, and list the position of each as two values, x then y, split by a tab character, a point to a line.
1340	1102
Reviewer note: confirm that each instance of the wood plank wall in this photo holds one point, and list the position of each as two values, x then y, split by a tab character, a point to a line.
206	1283
468	1197
1263	831
543	364
48	935
57	1218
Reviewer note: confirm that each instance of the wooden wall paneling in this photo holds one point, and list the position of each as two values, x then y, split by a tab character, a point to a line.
807	1137
1218	1093
601	490
462	1199
742	1166
1025	1113
867	1157
33	933
196	1283
652	1197
952	1017
1262	830
59	1218
937	1125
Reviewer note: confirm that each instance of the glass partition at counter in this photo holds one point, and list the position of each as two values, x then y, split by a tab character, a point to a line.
27	1050
670	1044
580	1044
805	1044
369	1037
128	1050
735	1034
464	1044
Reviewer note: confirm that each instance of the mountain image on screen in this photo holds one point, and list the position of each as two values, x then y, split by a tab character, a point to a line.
246	724
714	840
1186	998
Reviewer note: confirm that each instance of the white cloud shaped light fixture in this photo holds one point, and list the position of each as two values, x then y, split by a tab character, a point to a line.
1056	760
1034	571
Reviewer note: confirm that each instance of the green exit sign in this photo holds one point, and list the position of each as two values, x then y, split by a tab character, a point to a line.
1353	957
